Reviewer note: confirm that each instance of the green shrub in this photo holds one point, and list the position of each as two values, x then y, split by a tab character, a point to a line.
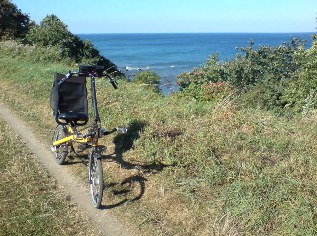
147	77
211	71
304	84
52	32
273	78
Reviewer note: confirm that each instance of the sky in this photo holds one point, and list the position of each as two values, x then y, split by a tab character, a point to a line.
177	16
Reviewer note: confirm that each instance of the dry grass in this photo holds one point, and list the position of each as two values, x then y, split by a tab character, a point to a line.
31	203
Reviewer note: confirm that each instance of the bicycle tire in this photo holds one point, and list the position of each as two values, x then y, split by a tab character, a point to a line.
60	151
95	177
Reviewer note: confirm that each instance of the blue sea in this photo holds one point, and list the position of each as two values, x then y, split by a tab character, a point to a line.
171	54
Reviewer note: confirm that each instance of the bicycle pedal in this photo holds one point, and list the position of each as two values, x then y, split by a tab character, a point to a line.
53	148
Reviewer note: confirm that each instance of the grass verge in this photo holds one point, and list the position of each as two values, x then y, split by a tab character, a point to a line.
186	167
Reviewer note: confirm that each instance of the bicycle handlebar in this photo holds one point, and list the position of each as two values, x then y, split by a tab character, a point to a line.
88	71
113	82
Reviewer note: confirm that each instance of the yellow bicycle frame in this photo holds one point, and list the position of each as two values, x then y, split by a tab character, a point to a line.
74	138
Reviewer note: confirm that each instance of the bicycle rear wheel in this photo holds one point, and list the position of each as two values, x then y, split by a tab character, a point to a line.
95	176
60	151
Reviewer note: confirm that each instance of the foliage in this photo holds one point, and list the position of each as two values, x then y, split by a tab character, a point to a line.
13	23
45	55
276	78
207	83
211	71
147	77
301	92
224	166
52	32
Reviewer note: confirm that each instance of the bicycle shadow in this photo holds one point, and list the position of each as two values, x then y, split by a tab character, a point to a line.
125	142
76	159
130	189
133	187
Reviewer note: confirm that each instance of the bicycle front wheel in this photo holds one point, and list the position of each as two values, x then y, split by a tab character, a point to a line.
95	176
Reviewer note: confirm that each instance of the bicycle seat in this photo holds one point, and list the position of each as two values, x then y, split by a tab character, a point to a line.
72	118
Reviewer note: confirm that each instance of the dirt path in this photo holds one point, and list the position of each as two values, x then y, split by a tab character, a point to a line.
103	220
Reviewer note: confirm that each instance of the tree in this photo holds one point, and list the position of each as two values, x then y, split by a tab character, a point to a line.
13	23
52	32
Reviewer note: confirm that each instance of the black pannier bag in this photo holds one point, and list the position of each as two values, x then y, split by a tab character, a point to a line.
69	100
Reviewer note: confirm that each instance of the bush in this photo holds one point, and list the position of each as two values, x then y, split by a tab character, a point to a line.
52	32
13	24
147	77
274	78
304	84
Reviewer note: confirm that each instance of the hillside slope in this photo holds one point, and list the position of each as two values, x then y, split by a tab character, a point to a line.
186	167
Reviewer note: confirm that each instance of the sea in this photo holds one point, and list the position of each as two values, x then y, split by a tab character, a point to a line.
170	54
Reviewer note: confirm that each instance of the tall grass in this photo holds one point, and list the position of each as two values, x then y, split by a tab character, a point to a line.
188	167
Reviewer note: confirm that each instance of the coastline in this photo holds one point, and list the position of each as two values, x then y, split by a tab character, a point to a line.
170	54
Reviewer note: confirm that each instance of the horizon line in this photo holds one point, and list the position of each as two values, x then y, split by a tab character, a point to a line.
296	32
